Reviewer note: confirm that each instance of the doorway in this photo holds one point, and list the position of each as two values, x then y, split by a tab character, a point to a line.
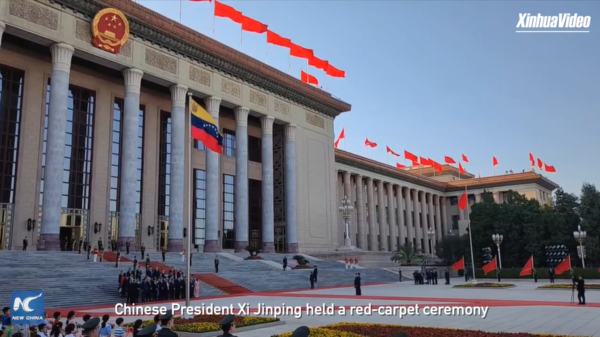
5	223
280	240
162	239
72	229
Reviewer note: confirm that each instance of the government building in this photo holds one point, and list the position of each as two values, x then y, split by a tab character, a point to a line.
95	146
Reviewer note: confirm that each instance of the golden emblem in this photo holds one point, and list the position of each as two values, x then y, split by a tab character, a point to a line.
110	30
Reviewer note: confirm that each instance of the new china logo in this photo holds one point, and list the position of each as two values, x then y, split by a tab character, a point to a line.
561	23
27	307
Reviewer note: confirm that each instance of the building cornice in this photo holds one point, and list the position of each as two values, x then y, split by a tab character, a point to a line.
158	29
506	180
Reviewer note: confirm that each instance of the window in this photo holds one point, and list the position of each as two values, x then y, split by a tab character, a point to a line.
200	207
471	199
453	201
77	167
164	177
228	211
116	152
11	100
199	146
254	149
455	219
229	143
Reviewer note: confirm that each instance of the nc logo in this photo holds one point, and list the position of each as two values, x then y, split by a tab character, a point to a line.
27	307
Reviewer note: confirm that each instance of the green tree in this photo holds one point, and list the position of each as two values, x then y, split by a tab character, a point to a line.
407	253
589	209
451	248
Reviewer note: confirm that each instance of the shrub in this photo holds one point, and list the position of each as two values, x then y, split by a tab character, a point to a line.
569	286
210	323
542	273
301	260
253	251
484	285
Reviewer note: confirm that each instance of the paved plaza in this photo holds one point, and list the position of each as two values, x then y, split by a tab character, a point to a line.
519	309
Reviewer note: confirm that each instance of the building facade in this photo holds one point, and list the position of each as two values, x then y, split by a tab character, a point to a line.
94	125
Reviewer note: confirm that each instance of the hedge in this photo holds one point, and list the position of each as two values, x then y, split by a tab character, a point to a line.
542	273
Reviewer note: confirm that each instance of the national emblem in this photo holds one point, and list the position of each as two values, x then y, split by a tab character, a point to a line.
110	30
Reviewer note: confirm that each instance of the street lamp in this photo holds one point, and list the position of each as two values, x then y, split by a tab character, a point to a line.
346	209
431	235
580	236
498	241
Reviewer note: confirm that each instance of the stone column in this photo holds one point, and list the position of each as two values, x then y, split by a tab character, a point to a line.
178	140
391	215
496	197
213	181
445	226
360	213
55	145
128	175
241	178
291	216
431	221
268	215
371	214
2	29
382	223
348	193
400	212
438	218
410	232
423	201
417	219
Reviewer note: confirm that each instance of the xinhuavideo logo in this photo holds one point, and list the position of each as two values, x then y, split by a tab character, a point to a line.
27	307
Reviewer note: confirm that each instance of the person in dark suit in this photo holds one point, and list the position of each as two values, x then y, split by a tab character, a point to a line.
147	331
216	264
285	263
90	328
127	247
166	321
447	276
227	326
143	250
357	284
315	272
580	290
25	243
311	278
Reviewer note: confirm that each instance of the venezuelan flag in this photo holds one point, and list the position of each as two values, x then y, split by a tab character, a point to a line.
204	128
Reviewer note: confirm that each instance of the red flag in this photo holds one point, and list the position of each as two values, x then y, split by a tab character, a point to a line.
490	266
438	167
528	268
253	26
224	11
563	266
411	157
494	161
461	170
370	144
549	169
465	159
333	72
300	52
425	161
398	166
463	202
309	79
388	150
415	163
277	40
316	62
540	164
449	160
340	137
532	159
459	265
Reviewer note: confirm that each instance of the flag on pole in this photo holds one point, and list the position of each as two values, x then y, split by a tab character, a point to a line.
411	157
439	169
449	160
549	169
461	170
540	164
204	128
370	144
388	150
563	266
528	268
463	202
532	160
490	266
399	166
494	161
459	265
465	159
308	79
340	137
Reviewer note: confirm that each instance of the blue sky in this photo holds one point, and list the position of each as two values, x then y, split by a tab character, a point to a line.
440	77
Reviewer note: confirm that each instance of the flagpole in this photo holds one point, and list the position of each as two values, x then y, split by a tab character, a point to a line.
387	155
214	21
180	9
326	89
241	38
188	238
266	53
532	267
470	237
290	64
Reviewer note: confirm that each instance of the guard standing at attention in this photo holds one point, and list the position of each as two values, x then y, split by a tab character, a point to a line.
147	331
91	327
311	278
216	264
127	246
284	263
167	322
227	326
302	331
357	284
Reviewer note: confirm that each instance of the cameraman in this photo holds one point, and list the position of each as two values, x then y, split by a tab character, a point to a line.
580	289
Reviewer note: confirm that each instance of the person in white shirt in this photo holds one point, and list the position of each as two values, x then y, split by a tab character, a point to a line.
43	330
70	330
157	321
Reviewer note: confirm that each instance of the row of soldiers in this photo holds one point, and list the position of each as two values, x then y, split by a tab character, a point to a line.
429	276
154	286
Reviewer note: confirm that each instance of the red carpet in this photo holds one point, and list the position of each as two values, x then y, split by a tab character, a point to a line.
112	257
222	284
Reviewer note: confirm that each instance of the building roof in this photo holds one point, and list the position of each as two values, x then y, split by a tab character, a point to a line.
162	31
446	170
414	177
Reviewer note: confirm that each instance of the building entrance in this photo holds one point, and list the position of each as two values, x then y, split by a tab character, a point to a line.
73	228
280	246
113	230
5	226
162	238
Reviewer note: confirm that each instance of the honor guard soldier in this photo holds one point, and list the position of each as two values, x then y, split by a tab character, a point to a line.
227	326
302	331
91	327
166	321
148	331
